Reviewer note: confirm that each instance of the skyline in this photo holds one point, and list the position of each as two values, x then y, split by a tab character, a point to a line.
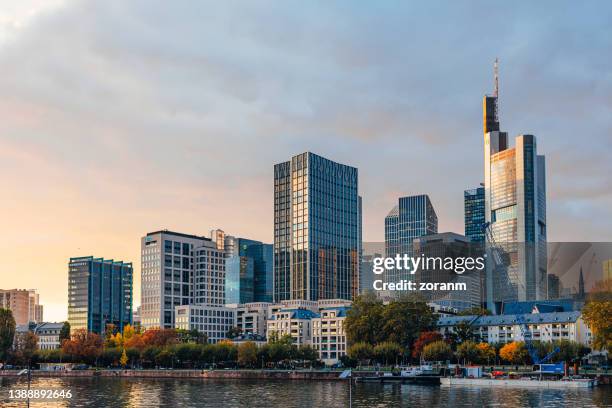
123	131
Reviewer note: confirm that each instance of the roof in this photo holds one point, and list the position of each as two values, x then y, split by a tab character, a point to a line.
510	319
179	234
303	314
340	310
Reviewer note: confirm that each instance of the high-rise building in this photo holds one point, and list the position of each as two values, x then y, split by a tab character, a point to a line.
515	208
178	269
99	293
474	214
366	278
411	218
447	245
24	304
554	287
606	273
317	229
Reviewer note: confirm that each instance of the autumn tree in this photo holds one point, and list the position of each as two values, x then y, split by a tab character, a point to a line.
7	332
486	353
514	353
468	351
424	339
437	351
25	347
83	346
597	314
159	337
247	354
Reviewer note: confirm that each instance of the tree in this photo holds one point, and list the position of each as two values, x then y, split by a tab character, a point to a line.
424	339
486	353
191	336
25	347
364	321
247	354
569	351
124	359
64	332
83	346
514	352
597	314
437	351
165	358
233	332
307	353
159	337
7	332
463	332
361	351
388	352
188	354
148	355
468	351
406	318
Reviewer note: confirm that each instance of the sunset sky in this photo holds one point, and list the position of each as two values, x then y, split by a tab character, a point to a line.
118	119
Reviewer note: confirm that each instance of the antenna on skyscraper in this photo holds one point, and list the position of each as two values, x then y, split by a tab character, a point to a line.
496	76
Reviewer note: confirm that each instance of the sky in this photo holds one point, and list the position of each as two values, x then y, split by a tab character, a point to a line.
119	118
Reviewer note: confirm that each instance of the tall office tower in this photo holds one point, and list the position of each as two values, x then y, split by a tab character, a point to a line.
23	303
99	294
316	229
443	246
515	207
606	273
172	277
554	287
474	213
366	280
413	217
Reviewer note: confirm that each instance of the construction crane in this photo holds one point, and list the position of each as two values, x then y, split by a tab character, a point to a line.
500	260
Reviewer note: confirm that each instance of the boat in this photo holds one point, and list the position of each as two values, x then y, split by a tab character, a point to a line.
523	383
423	369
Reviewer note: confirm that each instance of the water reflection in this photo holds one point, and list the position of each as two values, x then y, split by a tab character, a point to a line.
239	393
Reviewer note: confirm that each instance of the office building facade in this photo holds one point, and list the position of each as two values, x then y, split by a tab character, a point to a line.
474	214
412	217
99	294
23	303
317	229
515	209
249	270
178	269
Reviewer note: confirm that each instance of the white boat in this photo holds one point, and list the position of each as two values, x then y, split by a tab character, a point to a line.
523	383
416	371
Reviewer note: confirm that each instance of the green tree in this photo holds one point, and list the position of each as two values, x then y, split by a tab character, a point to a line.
187	354
148	356
64	332
364	321
405	319
468	352
569	351
109	356
165	358
475	311
388	352
437	351
463	332
362	352
7	332
247	354
307	353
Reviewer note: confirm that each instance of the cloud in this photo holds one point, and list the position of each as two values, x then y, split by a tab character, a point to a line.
119	118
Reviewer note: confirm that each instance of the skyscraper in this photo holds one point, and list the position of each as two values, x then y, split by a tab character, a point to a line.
515	207
317	226
474	213
249	276
411	218
178	269
99	294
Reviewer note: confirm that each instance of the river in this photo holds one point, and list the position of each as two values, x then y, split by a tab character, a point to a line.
175	393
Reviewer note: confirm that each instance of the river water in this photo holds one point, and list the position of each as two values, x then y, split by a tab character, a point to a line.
175	393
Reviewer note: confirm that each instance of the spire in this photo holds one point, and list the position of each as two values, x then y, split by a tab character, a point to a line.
496	77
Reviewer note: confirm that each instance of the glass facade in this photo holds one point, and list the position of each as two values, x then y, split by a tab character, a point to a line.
474	212
317	227
99	293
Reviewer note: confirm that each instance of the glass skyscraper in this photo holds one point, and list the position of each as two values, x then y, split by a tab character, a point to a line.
515	207
99	293
317	229
413	217
249	271
474	212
